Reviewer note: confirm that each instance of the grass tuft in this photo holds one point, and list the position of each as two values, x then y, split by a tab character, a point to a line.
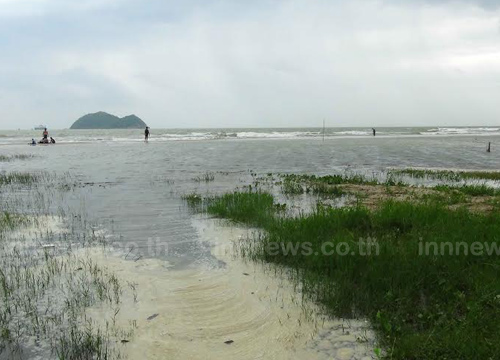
18	178
7	158
448	175
206	177
471	190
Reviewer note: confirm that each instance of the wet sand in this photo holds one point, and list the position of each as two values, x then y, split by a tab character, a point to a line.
239	310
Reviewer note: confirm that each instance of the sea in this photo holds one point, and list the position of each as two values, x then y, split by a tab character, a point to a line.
160	135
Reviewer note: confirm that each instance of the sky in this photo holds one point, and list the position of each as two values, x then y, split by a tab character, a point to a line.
276	63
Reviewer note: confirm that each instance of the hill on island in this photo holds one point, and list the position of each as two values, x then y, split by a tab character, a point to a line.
102	120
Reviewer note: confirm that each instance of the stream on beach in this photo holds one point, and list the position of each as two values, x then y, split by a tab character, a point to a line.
196	299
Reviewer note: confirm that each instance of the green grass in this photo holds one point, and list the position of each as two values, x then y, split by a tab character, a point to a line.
445	198
448	174
339	179
299	185
295	184
253	208
9	221
336	179
45	291
193	200
291	186
206	177
325	189
422	306
6	158
472	190
17	178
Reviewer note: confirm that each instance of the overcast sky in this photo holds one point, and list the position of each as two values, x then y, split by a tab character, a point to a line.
238	63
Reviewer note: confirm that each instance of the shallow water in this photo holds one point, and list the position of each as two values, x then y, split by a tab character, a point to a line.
239	310
135	189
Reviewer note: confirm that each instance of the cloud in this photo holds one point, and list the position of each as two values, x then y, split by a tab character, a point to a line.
485	4
231	63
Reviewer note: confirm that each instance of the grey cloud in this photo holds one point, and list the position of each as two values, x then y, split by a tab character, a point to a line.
486	4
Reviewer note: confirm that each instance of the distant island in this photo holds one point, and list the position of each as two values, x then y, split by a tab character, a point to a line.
103	120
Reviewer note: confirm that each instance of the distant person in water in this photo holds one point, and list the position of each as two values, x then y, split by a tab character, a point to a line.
146	134
52	141
45	134
374	131
33	142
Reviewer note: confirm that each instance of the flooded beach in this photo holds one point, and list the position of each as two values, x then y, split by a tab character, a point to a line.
189	292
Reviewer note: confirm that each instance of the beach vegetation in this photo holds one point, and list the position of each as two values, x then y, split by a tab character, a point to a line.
471	190
7	158
206	177
18	178
46	286
448	175
401	265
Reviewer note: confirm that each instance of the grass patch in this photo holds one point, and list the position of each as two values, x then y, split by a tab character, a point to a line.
472	190
252	208
325	189
7	158
18	178
206	177
448	175
193	200
9	221
434	306
291	186
299	185
336	179
319	183
45	289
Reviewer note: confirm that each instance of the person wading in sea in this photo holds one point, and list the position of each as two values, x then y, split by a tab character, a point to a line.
146	134
45	139
374	131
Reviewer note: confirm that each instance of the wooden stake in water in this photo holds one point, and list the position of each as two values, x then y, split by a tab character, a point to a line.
323	130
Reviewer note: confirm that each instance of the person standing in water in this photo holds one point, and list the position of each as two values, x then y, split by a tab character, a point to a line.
374	131
45	139
146	134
